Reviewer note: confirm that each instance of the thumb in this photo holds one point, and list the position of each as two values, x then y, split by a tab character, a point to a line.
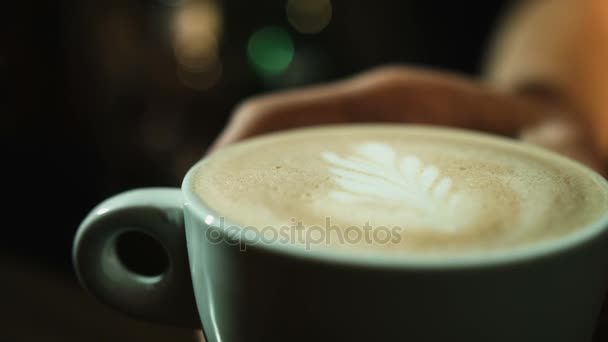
565	136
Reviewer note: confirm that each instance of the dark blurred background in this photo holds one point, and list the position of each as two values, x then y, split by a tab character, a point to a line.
101	96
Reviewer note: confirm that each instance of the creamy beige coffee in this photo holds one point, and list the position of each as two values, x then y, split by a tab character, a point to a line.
399	189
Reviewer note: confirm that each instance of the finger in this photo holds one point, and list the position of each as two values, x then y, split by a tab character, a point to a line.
389	94
567	137
287	109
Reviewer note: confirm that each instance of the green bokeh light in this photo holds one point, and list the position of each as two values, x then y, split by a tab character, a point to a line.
270	50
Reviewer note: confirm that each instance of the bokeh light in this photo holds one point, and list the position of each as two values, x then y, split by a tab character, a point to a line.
270	50
310	64
309	16
197	27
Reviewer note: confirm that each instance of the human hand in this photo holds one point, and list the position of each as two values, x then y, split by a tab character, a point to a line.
399	94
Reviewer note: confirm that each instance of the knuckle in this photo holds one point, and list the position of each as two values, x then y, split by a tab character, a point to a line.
392	76
393	73
248	109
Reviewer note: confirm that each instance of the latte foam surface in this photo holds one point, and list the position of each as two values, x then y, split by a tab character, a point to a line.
397	189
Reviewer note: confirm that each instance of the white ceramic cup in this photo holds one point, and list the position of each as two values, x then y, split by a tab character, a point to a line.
550	291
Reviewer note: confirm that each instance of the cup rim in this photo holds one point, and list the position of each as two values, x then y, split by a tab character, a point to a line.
478	259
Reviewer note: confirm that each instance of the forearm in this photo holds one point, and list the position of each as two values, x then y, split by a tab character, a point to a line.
533	47
556	51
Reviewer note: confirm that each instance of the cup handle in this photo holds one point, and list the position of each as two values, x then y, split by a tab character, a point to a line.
166	298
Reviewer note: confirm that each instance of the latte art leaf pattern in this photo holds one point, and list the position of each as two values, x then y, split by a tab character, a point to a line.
418	192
